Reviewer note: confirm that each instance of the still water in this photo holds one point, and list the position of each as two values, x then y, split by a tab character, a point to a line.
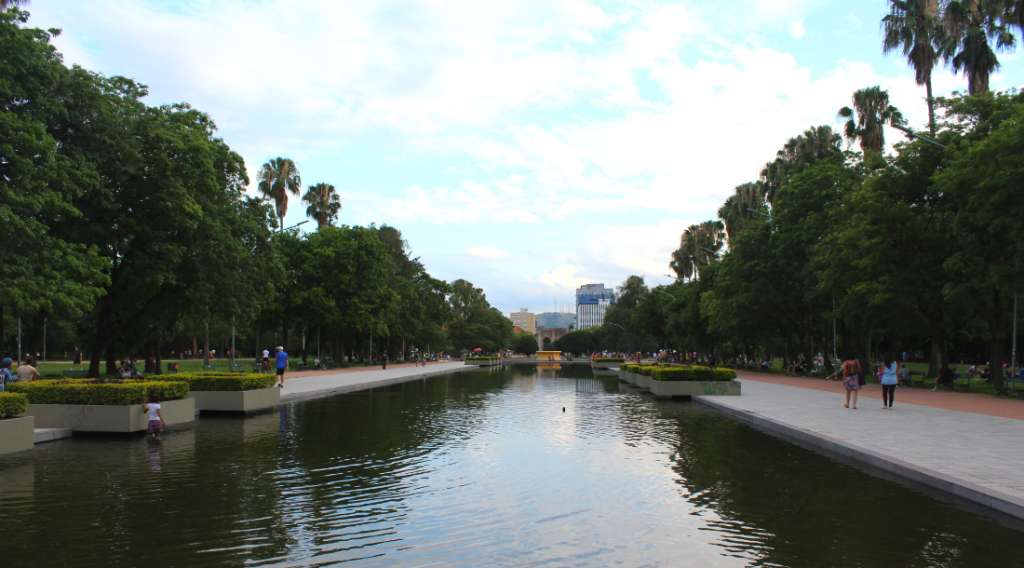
480	468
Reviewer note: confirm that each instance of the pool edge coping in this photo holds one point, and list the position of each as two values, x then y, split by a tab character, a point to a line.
988	498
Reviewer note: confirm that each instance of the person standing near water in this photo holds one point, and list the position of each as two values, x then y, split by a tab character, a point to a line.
889	377
851	380
282	363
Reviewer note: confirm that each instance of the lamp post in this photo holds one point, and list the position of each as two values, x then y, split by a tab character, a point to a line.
919	136
296	225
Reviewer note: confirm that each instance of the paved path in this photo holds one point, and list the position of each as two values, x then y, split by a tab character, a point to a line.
975	456
316	384
961	401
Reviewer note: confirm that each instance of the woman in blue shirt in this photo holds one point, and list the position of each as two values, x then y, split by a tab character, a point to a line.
889	373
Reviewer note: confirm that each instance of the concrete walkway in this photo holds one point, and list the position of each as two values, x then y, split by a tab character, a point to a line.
974	456
316	384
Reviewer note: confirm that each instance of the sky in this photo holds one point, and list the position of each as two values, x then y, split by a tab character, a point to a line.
530	146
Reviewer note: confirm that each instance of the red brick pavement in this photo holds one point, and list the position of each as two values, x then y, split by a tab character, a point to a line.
959	401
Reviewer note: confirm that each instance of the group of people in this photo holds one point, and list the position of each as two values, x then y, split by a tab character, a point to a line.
888	374
26	371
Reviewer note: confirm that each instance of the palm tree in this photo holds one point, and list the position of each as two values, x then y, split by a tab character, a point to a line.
740	207
814	144
912	26
969	25
277	178
867	119
323	204
699	246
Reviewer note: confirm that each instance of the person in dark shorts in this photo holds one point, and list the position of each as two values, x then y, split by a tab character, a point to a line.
282	364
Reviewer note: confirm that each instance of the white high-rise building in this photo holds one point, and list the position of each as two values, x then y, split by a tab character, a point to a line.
592	301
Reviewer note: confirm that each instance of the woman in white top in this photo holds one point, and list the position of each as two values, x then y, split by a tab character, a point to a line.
156	420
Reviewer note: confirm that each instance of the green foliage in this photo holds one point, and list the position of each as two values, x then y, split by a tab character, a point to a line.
481	358
224	381
12	404
524	343
692	373
92	392
607	360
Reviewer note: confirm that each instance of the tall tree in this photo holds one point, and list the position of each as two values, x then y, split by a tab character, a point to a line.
322	204
912	26
277	178
867	119
969	27
699	246
815	143
745	204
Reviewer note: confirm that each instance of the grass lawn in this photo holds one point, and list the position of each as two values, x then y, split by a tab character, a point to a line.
55	368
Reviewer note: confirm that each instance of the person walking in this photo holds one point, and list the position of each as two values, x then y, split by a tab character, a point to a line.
889	374
155	420
282	364
851	380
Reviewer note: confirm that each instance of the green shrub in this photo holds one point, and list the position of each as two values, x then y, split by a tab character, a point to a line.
693	373
481	359
608	360
12	404
224	381
92	392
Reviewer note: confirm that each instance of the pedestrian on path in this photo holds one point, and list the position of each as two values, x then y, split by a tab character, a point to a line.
851	380
890	372
282	364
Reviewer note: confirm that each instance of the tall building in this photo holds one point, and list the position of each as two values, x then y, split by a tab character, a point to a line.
592	301
524	320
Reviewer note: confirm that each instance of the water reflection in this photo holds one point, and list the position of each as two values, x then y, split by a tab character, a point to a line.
507	466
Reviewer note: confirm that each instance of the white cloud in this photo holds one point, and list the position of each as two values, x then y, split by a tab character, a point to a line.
486	252
564	277
797	30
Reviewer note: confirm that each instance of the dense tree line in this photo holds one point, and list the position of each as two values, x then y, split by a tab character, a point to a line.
915	250
127	231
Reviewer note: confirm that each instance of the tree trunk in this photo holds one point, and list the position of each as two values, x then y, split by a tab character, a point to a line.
931	105
938	358
111	360
101	335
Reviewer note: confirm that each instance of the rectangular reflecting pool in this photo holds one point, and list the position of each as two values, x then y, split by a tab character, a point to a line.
497	467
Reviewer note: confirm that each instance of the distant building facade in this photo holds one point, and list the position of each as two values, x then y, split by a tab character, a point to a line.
592	301
524	320
556	320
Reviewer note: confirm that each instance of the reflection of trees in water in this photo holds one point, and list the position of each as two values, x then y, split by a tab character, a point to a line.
783	505
354	459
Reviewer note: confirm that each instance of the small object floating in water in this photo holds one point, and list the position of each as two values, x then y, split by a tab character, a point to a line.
563	409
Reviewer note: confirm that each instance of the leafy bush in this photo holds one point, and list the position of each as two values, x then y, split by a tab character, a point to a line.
92	392
481	359
693	373
225	381
12	404
608	360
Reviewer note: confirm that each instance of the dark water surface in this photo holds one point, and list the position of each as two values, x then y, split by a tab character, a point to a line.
475	469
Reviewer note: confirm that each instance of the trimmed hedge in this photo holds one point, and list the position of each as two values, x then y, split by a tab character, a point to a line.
608	360
225	381
12	405
476	359
693	373
91	392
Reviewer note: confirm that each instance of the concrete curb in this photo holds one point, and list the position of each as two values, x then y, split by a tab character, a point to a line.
350	388
809	439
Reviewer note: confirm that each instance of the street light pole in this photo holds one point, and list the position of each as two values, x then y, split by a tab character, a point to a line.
1013	349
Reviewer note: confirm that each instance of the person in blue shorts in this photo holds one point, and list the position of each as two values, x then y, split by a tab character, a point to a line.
282	364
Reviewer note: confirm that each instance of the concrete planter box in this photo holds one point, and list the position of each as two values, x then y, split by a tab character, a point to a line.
109	418
604	364
17	434
236	401
643	382
629	377
668	389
